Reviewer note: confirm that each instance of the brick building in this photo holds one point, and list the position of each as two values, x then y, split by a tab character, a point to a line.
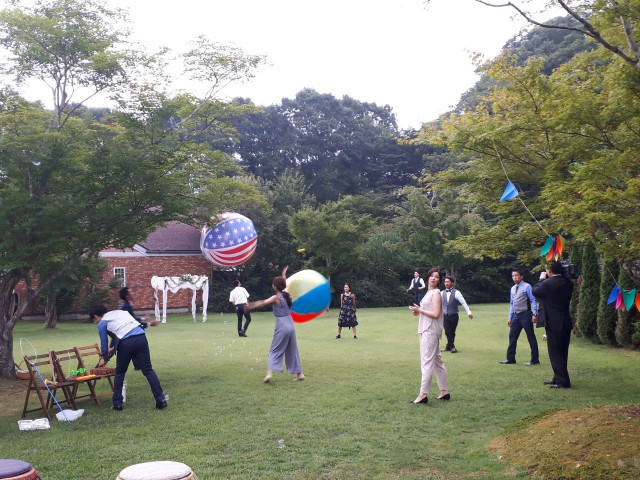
170	251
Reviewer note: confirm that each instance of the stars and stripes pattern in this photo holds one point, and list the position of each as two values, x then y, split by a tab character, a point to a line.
231	242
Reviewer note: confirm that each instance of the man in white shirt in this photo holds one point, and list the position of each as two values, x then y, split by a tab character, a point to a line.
239	297
451	300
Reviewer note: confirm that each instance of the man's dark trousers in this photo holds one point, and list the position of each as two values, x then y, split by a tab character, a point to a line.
136	349
240	311
450	326
522	321
558	346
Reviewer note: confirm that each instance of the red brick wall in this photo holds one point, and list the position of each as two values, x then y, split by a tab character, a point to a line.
139	270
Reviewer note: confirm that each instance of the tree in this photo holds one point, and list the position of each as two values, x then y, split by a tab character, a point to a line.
68	44
607	315
589	293
611	24
68	289
69	186
340	146
575	258
333	234
554	46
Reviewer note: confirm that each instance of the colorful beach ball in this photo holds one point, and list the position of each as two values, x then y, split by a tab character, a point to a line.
310	293
231	242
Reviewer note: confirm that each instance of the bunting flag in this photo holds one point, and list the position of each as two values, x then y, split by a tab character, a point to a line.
624	299
553	248
629	298
613	296
509	192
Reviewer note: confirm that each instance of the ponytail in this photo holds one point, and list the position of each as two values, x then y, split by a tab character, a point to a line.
281	284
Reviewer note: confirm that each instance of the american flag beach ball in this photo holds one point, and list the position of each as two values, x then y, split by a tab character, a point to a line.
231	242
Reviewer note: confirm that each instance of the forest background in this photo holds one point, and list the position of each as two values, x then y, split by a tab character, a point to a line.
556	113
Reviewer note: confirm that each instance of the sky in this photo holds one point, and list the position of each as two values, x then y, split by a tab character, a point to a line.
412	55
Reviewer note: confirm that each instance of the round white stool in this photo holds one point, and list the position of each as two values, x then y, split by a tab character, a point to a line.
164	470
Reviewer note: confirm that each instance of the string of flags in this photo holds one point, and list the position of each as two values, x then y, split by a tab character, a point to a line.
553	250
624	299
553	246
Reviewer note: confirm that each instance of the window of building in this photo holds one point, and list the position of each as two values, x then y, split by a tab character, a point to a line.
120	274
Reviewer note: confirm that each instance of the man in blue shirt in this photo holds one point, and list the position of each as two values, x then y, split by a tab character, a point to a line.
523	313
130	343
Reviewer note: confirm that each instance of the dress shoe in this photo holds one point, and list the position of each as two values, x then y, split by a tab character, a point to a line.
446	396
532	363
425	400
116	407
507	362
549	382
454	350
242	334
161	405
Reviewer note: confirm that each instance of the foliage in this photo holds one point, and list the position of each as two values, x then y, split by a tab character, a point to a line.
71	186
568	142
333	234
71	45
589	293
555	47
575	257
340	146
607	315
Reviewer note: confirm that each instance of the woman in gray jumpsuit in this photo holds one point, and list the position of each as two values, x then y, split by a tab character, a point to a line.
284	344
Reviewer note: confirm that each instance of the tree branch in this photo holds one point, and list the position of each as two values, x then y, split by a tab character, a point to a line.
588	30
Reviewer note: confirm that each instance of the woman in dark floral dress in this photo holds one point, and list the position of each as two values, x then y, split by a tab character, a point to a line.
347	316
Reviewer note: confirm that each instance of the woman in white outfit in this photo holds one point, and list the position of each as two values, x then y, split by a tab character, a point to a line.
430	325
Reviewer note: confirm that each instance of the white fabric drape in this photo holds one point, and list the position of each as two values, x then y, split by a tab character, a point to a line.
174	284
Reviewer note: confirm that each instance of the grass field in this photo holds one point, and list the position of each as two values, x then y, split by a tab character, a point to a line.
350	419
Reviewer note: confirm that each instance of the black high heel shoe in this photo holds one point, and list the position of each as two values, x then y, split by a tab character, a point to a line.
424	400
446	396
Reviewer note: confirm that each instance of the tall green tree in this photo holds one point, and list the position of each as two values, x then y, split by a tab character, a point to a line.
607	315
589	293
575	258
334	233
70	186
340	146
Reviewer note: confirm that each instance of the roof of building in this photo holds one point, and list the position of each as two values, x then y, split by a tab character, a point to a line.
175	237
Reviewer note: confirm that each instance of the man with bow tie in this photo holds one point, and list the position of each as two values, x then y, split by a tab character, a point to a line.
451	300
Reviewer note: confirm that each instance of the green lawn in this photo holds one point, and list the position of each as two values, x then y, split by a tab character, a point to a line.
350	419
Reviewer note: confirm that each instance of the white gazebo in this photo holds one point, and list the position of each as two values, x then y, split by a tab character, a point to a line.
173	284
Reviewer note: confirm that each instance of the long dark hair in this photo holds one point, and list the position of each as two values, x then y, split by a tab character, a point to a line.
281	283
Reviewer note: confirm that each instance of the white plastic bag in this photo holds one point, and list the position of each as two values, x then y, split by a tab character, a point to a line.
70	414
37	424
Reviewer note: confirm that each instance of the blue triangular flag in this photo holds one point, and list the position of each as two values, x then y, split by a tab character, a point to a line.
510	192
613	296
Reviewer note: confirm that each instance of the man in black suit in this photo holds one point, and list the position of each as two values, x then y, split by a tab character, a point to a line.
554	291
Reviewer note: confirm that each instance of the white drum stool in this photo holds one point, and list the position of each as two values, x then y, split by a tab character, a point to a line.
164	470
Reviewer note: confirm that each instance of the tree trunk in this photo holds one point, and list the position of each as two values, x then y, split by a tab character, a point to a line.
7	321
51	310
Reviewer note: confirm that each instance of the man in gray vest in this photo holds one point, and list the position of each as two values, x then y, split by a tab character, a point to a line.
523	313
451	300
418	287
